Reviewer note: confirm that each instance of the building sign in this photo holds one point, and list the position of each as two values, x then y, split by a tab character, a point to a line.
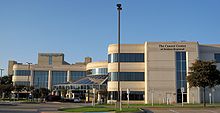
172	46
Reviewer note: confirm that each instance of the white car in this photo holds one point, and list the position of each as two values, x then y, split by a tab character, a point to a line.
77	99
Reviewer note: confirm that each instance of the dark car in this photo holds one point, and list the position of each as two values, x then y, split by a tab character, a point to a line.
53	98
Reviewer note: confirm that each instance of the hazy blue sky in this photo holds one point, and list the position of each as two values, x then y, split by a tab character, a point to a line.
80	28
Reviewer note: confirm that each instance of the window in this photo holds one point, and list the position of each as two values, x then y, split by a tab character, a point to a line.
100	71
22	73
134	95
40	79
217	57
59	77
127	76
126	57
50	59
21	83
181	75
75	75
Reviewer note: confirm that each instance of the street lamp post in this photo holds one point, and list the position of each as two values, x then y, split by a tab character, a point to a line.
1	75
29	69
28	85
119	11
1	71
1	81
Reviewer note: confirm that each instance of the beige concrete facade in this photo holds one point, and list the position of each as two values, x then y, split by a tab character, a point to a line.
126	67
93	65
57	64
10	66
159	69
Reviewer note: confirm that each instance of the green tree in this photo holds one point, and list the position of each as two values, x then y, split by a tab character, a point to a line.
203	74
44	92
40	93
6	86
36	93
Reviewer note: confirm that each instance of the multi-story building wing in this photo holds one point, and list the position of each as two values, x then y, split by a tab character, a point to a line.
50	70
132	71
156	71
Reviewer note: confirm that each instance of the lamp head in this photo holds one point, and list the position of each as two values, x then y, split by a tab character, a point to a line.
119	7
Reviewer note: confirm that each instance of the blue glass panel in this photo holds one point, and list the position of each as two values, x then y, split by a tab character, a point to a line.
75	75
59	77
126	57
100	71
21	83
217	57
127	76
40	79
22	73
180	73
50	60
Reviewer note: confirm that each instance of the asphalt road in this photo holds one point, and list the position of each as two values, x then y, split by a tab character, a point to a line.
52	107
37	108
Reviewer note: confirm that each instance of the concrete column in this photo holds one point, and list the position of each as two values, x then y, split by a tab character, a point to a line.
50	80
57	93
87	95
187	70
68	76
146	74
99	98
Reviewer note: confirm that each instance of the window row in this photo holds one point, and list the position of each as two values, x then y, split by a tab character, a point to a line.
100	71
126	57
22	72
127	76
21	83
134	95
75	75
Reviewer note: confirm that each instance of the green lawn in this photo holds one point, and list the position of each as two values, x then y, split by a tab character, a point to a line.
98	109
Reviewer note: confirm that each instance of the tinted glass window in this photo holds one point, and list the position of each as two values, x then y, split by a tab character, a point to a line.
127	76
22	73
100	71
75	75
217	57
134	95
180	74
22	83
59	77
50	59
126	57
40	79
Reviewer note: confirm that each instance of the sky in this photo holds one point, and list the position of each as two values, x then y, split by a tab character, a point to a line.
81	28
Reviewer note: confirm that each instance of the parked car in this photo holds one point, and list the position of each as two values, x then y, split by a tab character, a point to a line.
77	99
53	98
